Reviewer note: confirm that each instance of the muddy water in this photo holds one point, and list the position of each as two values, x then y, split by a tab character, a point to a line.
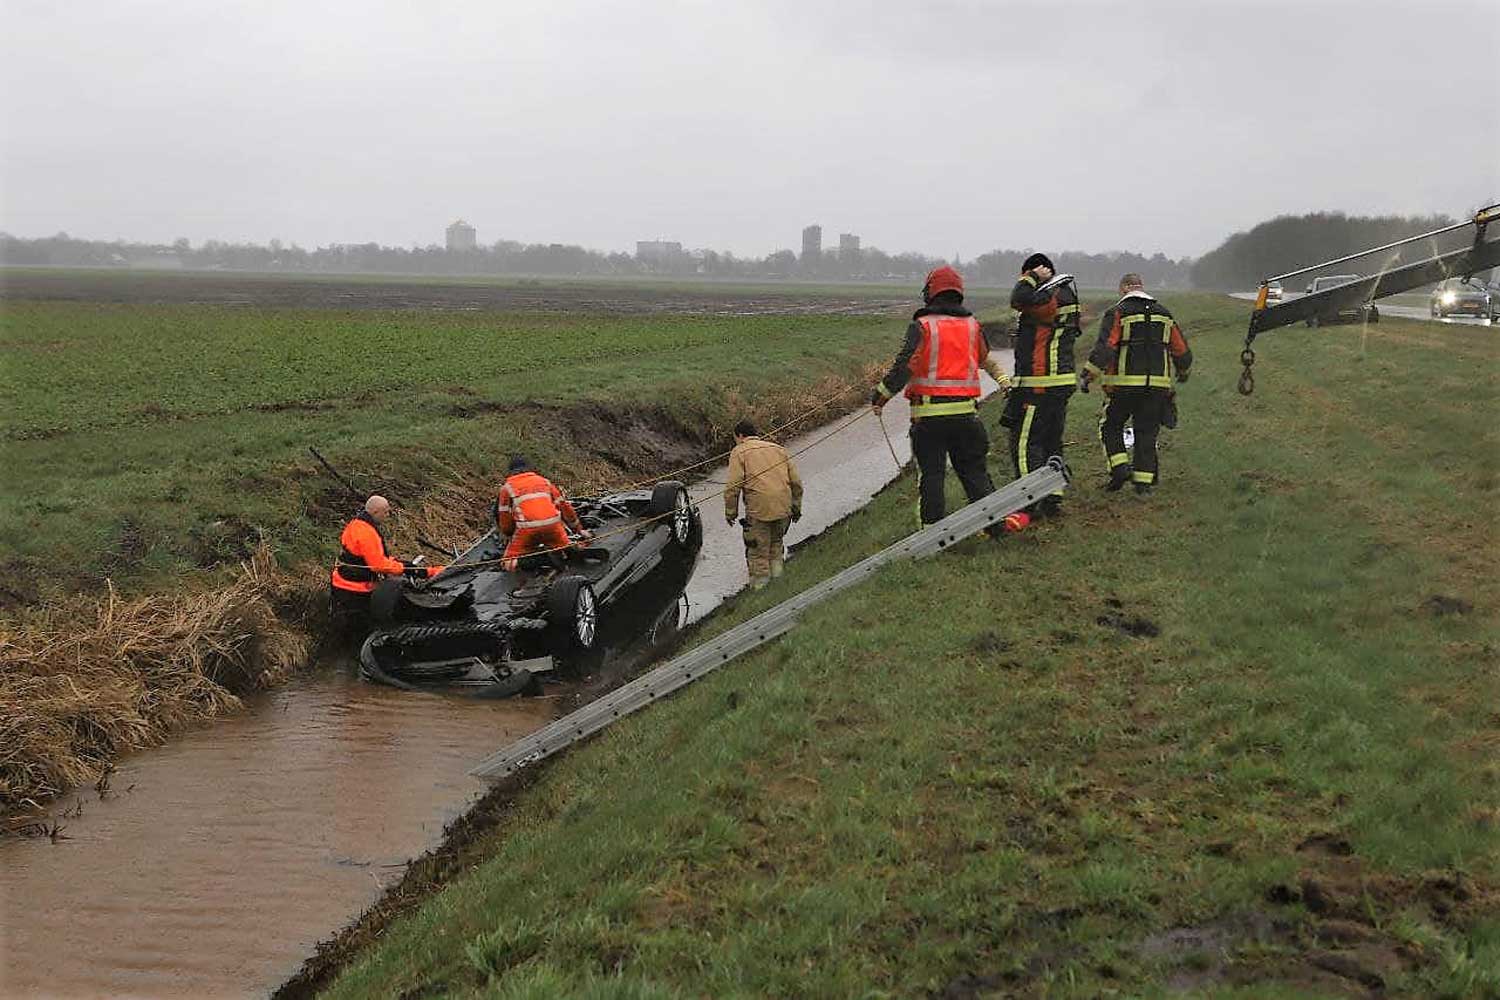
214	864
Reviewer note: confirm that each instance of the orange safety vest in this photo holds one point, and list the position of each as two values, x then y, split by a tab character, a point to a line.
529	500
361	557
947	361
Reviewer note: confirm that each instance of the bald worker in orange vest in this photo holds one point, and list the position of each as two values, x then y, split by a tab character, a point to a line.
532	512
363	561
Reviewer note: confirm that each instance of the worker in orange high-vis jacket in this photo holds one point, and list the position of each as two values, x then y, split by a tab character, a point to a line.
1047	325
532	512
363	561
938	367
1140	348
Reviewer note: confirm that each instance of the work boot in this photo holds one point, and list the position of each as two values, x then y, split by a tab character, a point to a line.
759	582
1118	477
1142	489
1049	507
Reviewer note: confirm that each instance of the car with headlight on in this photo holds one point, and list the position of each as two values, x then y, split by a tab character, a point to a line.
1274	291
1363	312
1461	297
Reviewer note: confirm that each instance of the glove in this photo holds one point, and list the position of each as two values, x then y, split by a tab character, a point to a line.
796	514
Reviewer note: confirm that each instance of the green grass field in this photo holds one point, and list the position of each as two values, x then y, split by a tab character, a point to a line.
1236	740
140	439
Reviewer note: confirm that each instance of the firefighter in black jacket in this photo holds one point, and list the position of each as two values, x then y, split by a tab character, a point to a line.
1139	347
1045	378
938	366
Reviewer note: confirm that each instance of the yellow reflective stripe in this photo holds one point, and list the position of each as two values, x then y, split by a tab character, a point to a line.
1024	439
1045	380
1116	461
1093	369
883	390
942	409
1066	310
1120	366
1142	477
1150	381
1052	351
1029	280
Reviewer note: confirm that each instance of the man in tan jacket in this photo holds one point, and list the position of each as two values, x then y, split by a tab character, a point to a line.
763	471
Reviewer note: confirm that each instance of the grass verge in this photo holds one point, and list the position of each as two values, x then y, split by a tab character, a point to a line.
1235	740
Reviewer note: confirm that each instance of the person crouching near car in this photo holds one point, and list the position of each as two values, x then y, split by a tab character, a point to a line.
532	511
762	471
362	563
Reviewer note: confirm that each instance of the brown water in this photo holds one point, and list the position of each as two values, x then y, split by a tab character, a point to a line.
218	861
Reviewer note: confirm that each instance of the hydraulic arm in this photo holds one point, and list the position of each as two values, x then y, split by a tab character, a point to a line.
1482	255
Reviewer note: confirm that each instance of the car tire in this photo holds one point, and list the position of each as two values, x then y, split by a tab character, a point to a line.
670	502
573	613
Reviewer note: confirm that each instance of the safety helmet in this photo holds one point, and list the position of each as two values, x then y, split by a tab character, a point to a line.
1037	260
942	279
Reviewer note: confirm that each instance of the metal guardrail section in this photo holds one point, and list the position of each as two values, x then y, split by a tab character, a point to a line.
766	626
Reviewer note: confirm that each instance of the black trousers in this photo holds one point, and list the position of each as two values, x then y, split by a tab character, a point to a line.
961	439
1036	421
1144	409
349	614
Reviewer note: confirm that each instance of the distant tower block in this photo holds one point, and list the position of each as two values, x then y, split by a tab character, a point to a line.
812	243
657	250
461	236
848	246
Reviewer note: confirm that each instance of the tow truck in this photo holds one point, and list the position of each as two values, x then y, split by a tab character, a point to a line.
1358	294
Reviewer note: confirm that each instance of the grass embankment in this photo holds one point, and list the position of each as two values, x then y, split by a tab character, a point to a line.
162	447
1236	739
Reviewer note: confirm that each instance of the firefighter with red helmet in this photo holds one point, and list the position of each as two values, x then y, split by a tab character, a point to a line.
938	368
1045	378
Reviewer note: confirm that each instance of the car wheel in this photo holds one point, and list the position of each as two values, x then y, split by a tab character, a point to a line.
669	501
573	611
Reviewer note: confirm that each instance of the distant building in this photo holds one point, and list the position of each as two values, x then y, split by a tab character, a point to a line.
848	246
657	249
461	236
812	243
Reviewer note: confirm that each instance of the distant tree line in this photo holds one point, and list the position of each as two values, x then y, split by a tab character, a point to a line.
999	267
1292	241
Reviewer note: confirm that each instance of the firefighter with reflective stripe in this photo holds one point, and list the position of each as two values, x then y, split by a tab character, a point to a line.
532	512
1140	346
765	474
361	564
1036	411
938	367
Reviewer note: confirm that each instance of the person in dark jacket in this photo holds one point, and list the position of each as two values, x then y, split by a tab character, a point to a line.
1140	345
938	367
1037	410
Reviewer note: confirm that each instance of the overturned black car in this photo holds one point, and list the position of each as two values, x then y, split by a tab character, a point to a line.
479	630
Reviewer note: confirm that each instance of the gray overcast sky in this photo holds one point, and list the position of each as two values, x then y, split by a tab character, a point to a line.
942	127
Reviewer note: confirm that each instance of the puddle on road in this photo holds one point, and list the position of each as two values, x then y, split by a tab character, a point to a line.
218	861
